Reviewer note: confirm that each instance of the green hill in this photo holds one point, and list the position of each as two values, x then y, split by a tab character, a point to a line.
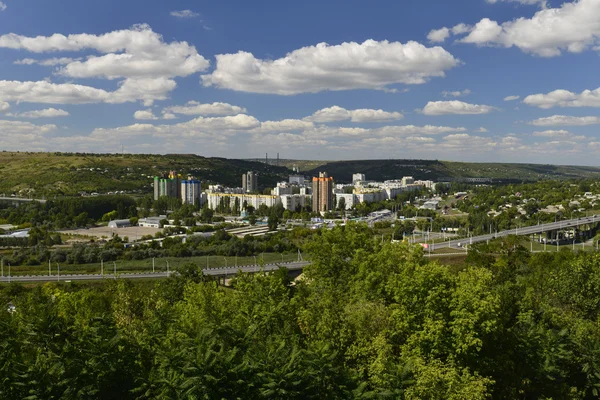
56	174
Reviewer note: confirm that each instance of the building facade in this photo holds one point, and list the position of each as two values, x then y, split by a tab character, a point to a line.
322	193
294	202
254	200
167	185
250	182
191	192
358	178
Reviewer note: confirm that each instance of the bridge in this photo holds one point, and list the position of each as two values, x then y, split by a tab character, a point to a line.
216	272
20	200
524	231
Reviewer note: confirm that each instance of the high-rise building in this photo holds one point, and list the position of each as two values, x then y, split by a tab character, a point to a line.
322	193
407	180
167	185
191	191
250	182
358	178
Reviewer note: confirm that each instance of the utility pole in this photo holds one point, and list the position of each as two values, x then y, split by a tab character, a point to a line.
58	276
168	273
49	269
115	269
8	272
102	267
152	264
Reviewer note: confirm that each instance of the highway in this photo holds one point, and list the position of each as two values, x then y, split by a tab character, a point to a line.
527	230
227	271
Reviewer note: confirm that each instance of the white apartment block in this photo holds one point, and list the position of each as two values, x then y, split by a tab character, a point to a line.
254	200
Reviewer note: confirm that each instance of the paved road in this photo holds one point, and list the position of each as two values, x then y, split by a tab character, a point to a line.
528	230
292	266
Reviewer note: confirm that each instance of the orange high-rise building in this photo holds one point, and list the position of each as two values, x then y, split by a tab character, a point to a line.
322	194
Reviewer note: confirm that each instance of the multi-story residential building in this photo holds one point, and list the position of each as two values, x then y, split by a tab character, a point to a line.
322	193
191	191
254	200
407	180
297	180
358	178
349	200
250	182
167	185
293	202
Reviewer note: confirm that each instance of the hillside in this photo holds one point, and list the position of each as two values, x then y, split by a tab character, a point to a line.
55	174
442	170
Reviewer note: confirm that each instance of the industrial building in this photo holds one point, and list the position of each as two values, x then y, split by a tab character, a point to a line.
250	182
119	223
322	193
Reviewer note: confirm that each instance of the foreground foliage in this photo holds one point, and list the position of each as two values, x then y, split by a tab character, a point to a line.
368	320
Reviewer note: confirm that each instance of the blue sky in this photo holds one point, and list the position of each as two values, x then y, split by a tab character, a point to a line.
428	79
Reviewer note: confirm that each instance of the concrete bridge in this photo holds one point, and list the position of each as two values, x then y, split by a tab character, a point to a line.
525	231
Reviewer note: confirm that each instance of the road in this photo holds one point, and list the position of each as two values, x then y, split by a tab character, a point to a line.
528	230
228	271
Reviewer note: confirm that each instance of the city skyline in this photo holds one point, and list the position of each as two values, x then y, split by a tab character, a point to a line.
479	80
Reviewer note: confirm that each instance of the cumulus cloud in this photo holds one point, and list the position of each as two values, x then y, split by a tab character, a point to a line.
368	65
552	133
558	120
418	130
336	113
481	130
20	127
438	35
286	125
45	113
574	27
137	52
4	106
196	108
49	62
457	93
564	98
541	3
144	114
511	98
184	14
455	107
2	6
129	90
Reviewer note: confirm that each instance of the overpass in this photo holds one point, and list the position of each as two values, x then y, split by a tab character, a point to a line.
216	272
19	200
524	231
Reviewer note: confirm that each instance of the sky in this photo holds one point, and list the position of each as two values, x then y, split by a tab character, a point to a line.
464	80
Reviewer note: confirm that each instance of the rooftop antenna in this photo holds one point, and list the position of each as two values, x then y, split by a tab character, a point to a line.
267	158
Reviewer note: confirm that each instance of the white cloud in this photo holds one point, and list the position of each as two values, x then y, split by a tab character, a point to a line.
481	130
438	35
129	90
552	133
457	93
285	125
196	108
461	28
144	114
418	130
2	6
184	14
455	107
511	98
336	113
564	98
137	52
564	120
4	106
574	27
368	65
20	127
45	113
541	3
49	62
169	116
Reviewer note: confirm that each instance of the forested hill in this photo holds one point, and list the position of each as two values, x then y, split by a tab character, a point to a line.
441	170
55	174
